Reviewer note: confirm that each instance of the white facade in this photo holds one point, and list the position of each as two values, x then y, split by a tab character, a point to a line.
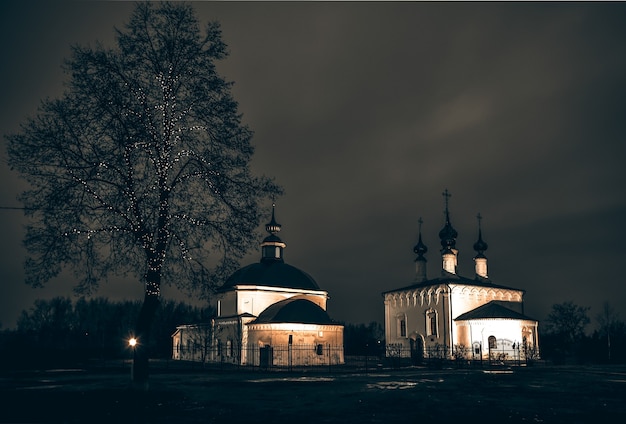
425	317
251	299
456	317
268	313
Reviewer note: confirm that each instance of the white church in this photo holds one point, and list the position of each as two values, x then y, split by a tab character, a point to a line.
269	313
455	317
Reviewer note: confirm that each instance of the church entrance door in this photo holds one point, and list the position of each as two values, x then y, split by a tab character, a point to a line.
266	356
417	350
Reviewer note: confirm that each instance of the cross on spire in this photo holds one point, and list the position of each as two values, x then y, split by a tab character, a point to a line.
447	196
272	227
420	248
480	246
448	233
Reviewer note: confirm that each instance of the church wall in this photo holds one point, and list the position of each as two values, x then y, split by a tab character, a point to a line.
413	314
192	343
309	344
226	304
427	313
234	340
254	300
511	337
465	298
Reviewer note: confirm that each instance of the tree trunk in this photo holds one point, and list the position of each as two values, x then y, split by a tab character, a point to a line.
141	354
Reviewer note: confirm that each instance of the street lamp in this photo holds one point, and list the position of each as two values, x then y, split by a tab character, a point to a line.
132	342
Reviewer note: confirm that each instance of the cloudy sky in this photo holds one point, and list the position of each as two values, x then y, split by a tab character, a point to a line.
365	112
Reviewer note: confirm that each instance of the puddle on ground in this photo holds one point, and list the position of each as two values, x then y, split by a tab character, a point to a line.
399	385
50	386
292	379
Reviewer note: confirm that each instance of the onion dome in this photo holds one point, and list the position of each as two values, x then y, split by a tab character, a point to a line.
420	248
420	262
448	234
480	246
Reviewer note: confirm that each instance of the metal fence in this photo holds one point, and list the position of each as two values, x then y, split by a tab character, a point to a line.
291	355
461	354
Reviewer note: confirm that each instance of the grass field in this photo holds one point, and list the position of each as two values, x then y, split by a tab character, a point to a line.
540	394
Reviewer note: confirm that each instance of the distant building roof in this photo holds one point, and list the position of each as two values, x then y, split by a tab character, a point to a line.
273	274
294	310
450	278
492	309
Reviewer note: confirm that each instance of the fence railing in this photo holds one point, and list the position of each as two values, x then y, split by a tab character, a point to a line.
511	355
307	355
264	356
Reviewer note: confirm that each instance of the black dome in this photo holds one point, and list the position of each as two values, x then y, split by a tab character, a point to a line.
273	274
294	310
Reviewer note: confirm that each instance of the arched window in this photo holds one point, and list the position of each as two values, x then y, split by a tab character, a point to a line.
401	326
493	344
431	322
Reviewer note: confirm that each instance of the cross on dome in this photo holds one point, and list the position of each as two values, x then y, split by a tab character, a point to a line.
273	227
420	248
448	233
480	246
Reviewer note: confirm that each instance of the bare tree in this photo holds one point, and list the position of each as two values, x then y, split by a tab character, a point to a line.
567	322
608	320
142	166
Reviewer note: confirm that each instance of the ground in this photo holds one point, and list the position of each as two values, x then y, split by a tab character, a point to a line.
189	394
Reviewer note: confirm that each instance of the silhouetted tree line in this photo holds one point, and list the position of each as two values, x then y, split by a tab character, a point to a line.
563	338
60	332
362	339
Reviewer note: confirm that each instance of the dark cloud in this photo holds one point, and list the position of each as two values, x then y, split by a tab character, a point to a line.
365	112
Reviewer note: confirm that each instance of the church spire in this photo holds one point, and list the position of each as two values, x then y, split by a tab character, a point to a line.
272	246
447	235
273	227
420	262
480	246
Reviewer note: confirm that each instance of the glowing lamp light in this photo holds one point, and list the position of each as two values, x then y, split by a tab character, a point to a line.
132	342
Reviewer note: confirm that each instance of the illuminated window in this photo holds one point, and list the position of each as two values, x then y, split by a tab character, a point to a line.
229	348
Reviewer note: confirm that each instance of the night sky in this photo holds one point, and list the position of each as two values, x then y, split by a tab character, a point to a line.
365	113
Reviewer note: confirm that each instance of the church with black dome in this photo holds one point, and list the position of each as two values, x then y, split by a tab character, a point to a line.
453	316
269	313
